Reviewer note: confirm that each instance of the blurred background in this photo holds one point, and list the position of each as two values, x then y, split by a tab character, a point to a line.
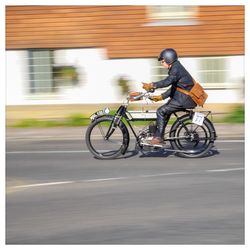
68	61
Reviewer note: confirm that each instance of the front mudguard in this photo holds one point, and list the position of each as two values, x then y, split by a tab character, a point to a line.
97	117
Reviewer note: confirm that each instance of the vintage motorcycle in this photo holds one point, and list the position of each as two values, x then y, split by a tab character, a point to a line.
107	137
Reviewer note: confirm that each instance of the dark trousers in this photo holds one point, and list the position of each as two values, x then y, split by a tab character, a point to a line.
163	114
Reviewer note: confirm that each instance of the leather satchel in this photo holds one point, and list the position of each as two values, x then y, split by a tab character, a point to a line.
197	93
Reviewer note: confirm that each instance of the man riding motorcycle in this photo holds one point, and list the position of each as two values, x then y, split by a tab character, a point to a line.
178	77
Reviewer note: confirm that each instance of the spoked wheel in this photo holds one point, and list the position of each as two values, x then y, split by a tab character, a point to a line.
192	140
107	140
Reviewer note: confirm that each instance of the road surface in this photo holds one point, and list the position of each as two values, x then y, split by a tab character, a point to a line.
57	193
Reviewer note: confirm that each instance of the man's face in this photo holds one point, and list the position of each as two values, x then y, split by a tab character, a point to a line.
165	65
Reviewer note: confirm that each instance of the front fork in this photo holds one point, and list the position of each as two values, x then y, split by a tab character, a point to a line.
113	126
116	121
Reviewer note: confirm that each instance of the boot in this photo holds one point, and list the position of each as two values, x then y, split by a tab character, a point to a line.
156	141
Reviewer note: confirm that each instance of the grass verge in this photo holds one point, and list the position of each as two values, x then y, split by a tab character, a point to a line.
75	120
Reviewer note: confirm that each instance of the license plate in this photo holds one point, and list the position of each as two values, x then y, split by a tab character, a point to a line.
104	111
198	118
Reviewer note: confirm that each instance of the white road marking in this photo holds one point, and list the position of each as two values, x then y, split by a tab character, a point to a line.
47	152
106	179
74	151
74	138
224	170
44	138
124	178
223	149
44	184
164	174
229	141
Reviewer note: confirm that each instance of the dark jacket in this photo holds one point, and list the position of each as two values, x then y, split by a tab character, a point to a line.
178	76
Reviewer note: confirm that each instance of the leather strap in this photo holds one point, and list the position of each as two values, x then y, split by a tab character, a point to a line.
183	91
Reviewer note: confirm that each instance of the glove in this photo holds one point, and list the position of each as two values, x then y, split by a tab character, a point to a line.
156	98
148	86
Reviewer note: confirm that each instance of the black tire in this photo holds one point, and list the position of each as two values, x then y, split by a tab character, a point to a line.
191	140
109	148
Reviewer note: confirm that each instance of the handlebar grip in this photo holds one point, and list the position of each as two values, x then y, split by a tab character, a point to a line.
138	97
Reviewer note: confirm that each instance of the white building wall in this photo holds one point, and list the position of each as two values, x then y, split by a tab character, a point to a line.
16	77
98	78
98	75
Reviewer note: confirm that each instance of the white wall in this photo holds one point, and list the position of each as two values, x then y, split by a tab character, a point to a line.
16	77
98	77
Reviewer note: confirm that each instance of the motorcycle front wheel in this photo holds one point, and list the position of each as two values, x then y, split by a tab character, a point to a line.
105	139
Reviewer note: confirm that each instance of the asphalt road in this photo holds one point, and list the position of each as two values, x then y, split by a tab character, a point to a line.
57	193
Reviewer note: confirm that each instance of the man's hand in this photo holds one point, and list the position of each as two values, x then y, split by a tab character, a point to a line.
156	98
148	86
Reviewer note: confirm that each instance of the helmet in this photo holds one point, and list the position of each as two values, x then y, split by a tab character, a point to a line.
168	55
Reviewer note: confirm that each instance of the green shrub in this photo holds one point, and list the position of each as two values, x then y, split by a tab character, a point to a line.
237	115
77	120
73	120
29	123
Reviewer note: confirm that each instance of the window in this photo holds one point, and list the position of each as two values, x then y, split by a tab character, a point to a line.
172	12
213	72
172	15
45	76
41	71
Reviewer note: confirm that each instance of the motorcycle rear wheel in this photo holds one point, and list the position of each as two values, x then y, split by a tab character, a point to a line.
191	140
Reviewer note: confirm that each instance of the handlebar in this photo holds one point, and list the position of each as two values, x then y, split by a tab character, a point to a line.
139	96
133	97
